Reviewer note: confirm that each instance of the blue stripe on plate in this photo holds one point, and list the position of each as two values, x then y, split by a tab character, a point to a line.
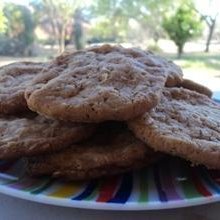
124	191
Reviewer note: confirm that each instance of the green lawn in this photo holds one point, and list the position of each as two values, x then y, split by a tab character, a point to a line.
199	63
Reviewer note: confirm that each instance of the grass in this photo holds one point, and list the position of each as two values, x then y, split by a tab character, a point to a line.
199	63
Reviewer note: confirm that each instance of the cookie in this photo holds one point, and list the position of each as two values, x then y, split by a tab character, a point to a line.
110	151
14	78
35	135
191	85
174	78
186	124
99	84
155	63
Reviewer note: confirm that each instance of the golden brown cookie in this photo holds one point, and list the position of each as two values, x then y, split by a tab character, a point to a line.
186	124
14	78
99	84
175	76
111	151
191	85
28	136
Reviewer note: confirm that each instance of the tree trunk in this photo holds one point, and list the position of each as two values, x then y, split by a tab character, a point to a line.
211	30
78	37
54	34
180	51
210	21
78	30
62	39
52	15
156	37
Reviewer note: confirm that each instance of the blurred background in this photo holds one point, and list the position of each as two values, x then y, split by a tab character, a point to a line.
186	31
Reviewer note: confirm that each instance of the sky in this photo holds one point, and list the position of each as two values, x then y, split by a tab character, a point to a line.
23	2
208	6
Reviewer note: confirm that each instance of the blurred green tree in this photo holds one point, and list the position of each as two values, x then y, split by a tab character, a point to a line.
20	23
3	20
20	27
184	25
151	14
112	17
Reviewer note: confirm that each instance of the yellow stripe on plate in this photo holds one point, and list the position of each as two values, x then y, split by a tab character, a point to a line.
66	190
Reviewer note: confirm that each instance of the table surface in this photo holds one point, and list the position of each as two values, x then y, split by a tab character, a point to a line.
14	208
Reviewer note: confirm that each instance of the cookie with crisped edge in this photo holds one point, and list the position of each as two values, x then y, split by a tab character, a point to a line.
14	78
110	151
174	78
36	135
99	84
191	85
175	75
186	124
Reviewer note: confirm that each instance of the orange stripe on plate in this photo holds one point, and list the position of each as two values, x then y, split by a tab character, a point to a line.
66	190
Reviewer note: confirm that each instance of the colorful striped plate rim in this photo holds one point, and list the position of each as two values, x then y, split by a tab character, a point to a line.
172	183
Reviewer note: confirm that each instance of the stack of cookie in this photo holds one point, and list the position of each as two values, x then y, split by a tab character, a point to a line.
103	111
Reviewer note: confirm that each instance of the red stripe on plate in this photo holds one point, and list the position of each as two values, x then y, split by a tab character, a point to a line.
107	189
199	185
